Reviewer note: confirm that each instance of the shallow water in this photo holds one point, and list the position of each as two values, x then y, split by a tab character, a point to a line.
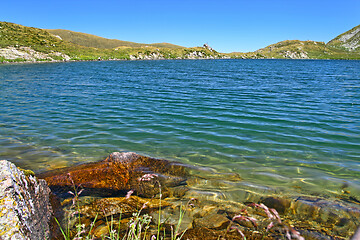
283	125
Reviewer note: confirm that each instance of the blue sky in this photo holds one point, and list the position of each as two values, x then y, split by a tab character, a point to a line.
226	25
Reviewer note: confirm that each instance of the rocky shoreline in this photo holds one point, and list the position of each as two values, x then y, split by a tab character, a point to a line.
125	184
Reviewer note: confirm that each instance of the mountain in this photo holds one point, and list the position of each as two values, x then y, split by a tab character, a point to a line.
20	43
344	46
89	40
349	40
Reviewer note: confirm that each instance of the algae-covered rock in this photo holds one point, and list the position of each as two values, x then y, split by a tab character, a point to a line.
27	172
25	210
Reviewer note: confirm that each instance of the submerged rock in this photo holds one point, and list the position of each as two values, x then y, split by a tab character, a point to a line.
280	204
118	174
215	221
25	210
105	207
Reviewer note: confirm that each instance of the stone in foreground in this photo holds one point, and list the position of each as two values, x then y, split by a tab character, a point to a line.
25	210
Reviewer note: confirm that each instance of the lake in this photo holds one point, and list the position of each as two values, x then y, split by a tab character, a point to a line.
283	126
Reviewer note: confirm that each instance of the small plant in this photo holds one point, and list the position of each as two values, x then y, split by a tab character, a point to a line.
176	233
138	225
80	228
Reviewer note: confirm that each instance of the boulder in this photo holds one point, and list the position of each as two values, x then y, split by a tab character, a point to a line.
25	210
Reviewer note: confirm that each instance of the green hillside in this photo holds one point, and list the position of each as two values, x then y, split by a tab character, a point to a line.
296	49
89	40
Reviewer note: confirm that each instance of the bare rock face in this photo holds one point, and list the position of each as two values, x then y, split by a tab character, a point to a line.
25	210
351	39
29	54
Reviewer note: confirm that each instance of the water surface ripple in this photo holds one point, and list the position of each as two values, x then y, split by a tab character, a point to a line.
291	124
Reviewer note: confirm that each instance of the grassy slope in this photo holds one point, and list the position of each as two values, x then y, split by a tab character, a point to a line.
17	35
89	40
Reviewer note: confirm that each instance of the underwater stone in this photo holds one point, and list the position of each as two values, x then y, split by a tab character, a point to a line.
116	175
280	204
105	207
216	221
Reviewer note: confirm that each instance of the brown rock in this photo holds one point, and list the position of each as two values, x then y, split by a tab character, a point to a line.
117	174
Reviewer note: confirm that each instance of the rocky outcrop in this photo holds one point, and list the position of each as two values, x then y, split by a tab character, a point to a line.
25	210
198	55
351	39
206	46
295	55
150	56
30	55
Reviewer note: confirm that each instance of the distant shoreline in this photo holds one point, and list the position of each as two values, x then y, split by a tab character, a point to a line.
129	60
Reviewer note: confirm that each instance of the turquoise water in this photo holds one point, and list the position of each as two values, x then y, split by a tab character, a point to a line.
283	125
